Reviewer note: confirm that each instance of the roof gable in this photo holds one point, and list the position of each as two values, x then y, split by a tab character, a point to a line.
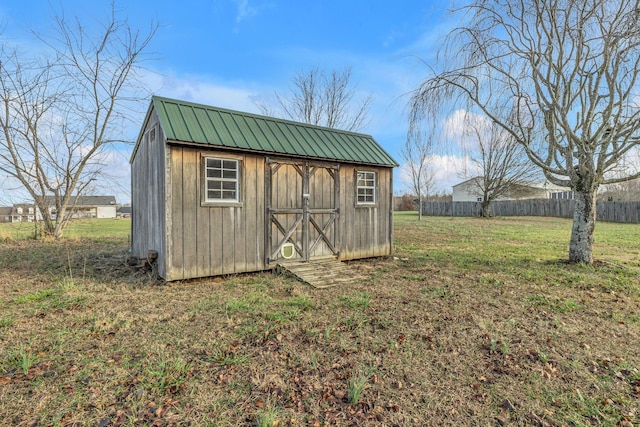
186	122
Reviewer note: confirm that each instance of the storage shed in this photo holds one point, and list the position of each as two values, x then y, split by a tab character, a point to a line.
216	191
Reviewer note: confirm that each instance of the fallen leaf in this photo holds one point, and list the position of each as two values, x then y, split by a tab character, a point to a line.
506	404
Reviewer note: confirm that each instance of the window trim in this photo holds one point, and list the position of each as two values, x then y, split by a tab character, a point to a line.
204	199
374	187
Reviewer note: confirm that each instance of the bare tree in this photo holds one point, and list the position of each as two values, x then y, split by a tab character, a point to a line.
322	99
498	164
625	191
418	154
59	114
561	77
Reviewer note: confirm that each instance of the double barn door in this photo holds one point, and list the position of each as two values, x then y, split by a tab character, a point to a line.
302	208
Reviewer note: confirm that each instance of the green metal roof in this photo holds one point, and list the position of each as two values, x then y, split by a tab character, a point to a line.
186	122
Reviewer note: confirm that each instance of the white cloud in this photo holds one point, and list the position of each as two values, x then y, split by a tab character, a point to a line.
200	89
447	170
245	10
455	127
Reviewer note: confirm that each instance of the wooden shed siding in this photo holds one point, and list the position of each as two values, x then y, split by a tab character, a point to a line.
175	256
365	231
214	240
147	190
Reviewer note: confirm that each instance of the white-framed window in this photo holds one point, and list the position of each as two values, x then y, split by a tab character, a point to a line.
221	180
366	188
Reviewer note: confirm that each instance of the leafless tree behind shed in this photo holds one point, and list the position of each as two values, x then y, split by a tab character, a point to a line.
561	77
59	112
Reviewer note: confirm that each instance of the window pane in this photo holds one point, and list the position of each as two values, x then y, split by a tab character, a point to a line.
221	179
230	164
229	185
214	163
214	185
366	187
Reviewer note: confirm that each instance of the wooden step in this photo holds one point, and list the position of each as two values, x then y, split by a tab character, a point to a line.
320	274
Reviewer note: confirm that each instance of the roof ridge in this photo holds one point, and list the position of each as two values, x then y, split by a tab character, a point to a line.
257	116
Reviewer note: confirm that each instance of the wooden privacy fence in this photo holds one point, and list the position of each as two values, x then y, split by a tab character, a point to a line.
628	212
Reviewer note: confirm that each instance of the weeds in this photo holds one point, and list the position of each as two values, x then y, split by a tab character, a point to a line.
559	305
252	303
167	376
268	417
35	296
226	358
359	301
355	321
24	358
358	382
302	302
499	346
438	292
6	321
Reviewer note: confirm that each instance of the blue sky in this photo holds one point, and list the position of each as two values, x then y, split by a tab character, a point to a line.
230	53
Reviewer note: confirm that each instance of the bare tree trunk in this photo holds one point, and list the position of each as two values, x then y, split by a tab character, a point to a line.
485	208
420	207
584	223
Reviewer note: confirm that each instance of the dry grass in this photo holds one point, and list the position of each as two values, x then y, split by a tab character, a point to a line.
476	322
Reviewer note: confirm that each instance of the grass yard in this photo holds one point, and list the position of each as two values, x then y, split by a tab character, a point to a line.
473	322
85	228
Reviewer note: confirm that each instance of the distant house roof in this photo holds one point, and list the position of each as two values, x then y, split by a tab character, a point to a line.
5	210
88	200
530	184
124	210
186	122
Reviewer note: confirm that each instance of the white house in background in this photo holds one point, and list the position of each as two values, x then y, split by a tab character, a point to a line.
21	212
470	191
88	207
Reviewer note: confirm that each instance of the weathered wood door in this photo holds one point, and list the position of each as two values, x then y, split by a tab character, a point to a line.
302	210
